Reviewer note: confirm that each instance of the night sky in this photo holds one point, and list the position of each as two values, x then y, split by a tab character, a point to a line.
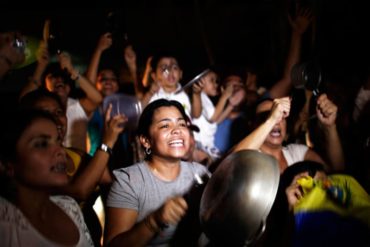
209	32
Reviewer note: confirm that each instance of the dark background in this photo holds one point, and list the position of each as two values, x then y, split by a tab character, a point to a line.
223	33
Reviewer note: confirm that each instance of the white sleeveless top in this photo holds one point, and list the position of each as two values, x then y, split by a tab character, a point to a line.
16	230
294	153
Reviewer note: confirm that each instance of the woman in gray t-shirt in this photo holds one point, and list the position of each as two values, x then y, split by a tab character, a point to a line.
146	201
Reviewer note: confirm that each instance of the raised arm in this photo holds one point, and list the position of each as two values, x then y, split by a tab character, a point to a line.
299	26
233	101
43	59
129	55
96	171
146	81
326	112
221	109
196	104
93	97
279	111
105	41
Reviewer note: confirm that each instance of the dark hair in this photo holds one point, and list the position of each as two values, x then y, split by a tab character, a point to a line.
232	71
263	99
162	54
29	100
56	71
14	126
303	166
260	117
146	117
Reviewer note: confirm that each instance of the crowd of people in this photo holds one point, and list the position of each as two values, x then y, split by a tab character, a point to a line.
62	147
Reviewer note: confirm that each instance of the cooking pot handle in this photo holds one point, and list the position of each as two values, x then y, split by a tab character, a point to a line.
258	234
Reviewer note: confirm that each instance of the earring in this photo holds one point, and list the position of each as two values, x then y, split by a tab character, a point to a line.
148	151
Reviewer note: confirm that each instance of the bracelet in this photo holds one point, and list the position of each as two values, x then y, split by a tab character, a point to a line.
105	148
150	226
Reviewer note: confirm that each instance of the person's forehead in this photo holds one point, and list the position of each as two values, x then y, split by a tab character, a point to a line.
167	110
106	72
211	74
233	79
167	60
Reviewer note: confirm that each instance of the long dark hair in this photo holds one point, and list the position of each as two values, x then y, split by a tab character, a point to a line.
30	99
12	128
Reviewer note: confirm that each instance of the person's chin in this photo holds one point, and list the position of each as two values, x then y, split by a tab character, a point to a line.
179	154
275	141
60	181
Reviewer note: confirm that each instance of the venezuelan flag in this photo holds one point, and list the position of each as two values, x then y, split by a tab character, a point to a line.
335	212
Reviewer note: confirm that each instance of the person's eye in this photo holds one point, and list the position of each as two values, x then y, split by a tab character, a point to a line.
41	144
183	124
164	126
60	140
59	113
163	68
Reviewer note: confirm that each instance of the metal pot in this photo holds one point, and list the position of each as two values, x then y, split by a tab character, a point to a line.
238	198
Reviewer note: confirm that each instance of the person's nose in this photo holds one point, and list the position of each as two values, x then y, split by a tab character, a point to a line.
176	130
59	151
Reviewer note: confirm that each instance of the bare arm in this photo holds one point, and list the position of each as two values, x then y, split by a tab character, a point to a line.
154	87
96	172
254	140
121	229
93	97
130	58
43	59
196	104
233	101
148	69
220	111
105	41
299	26
327	114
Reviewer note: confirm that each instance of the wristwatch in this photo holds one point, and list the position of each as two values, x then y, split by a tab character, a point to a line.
104	147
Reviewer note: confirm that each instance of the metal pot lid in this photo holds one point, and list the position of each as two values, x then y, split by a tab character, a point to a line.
238	198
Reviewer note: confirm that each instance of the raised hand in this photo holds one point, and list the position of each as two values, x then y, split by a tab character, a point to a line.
228	91
302	20
280	109
237	97
105	41
130	56
198	86
42	54
65	61
113	126
326	111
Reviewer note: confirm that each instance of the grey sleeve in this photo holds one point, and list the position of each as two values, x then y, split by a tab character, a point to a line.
122	193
